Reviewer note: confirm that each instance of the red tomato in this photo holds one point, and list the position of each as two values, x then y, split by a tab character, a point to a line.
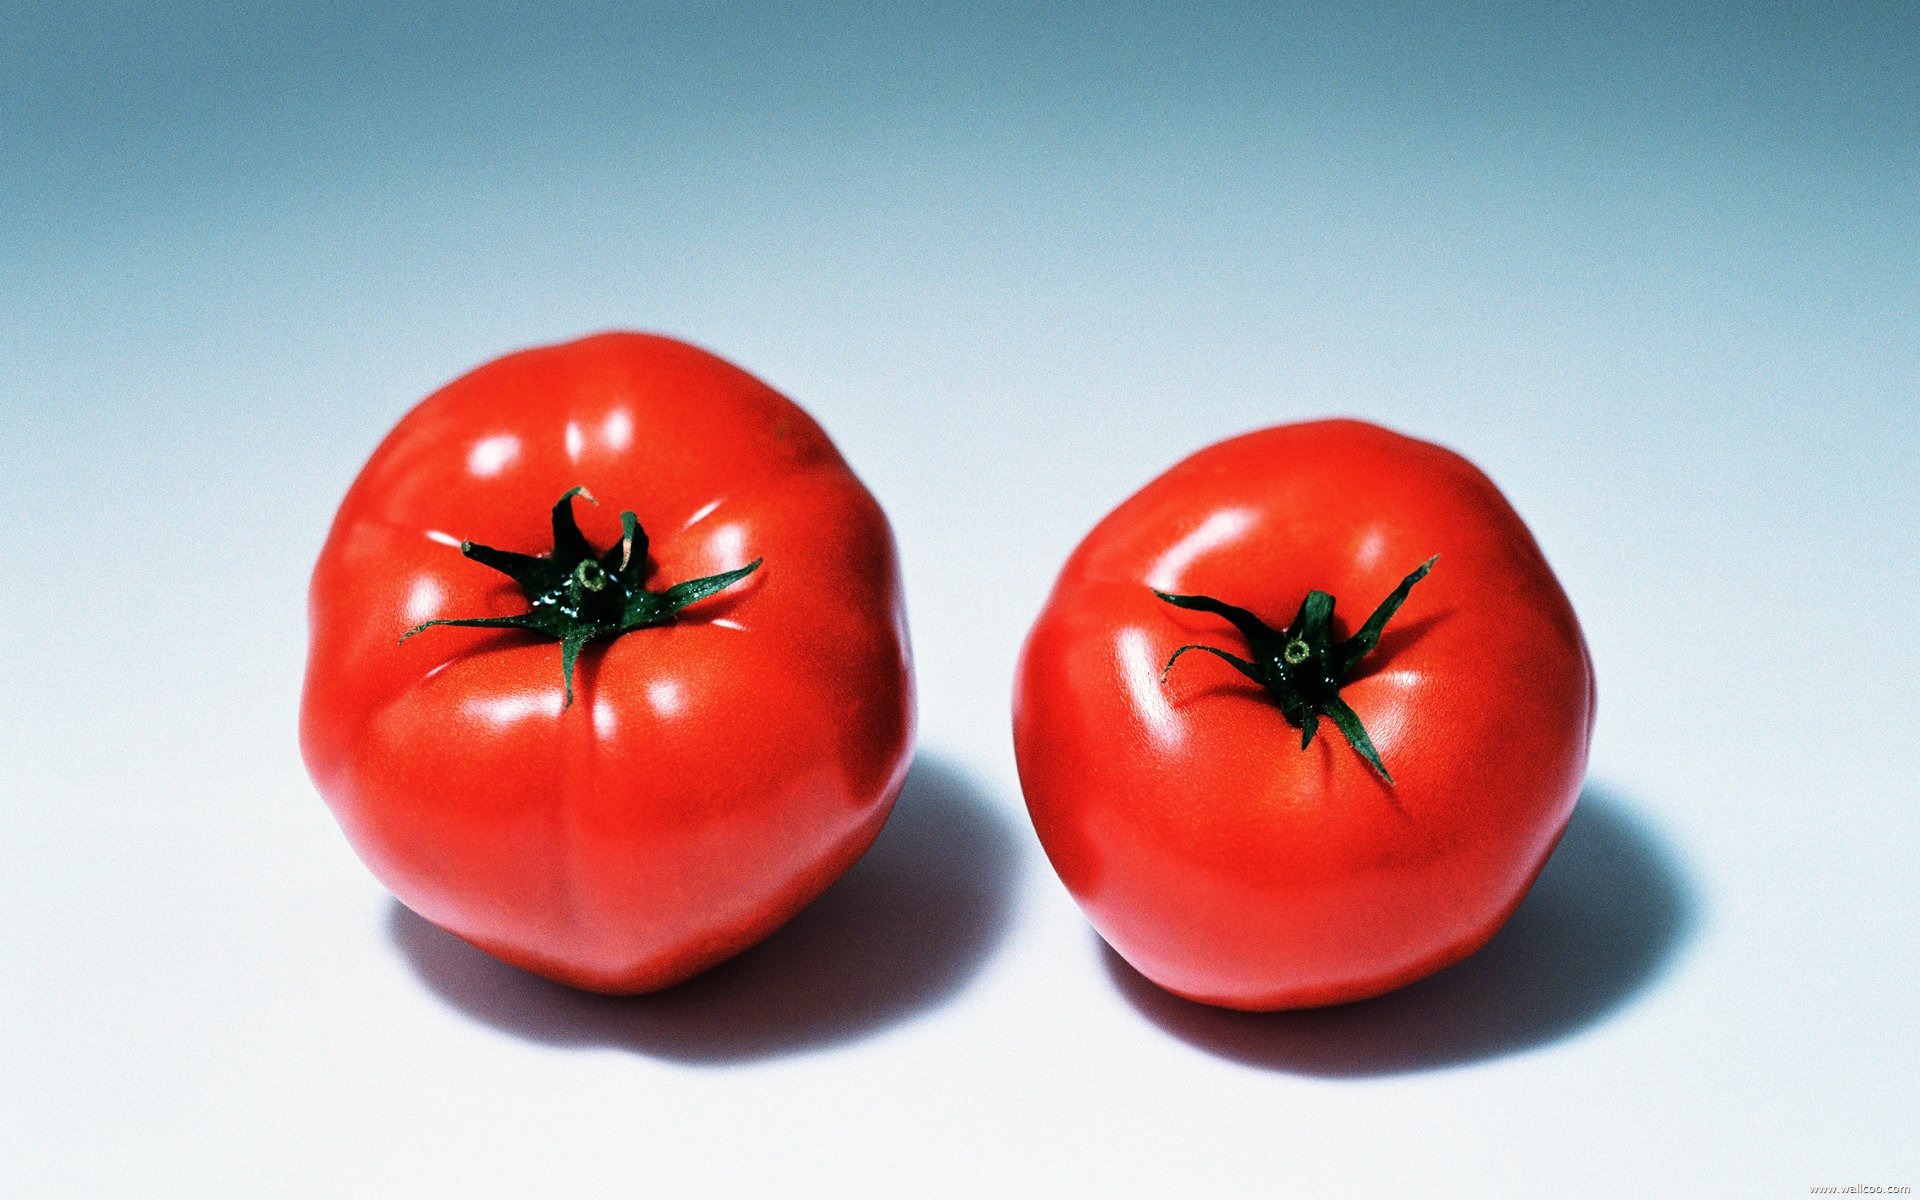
738	721
1221	849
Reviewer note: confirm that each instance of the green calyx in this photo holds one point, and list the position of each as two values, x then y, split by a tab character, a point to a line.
1302	666
576	594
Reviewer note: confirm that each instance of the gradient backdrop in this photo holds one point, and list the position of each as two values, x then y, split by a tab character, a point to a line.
1655	268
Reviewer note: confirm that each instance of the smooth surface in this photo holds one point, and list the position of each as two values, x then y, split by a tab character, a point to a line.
686	787
1654	271
1235	858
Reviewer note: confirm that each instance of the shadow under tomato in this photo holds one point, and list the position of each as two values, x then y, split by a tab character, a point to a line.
1605	919
901	933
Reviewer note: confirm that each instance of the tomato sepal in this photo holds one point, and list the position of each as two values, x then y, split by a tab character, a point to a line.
576	594
1302	667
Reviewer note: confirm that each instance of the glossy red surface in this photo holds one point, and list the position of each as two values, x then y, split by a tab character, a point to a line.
1217	857
713	775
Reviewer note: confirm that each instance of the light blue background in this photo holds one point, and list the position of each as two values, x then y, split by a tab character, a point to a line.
1655	268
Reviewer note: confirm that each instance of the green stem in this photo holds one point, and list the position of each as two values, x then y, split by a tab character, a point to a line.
1301	666
576	594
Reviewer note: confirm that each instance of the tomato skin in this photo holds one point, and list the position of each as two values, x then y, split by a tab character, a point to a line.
712	775
1222	861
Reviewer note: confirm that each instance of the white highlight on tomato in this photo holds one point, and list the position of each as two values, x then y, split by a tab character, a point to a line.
424	599
1211	534
667	697
706	510
727	547
606	722
1371	550
490	456
1140	667
503	711
617	429
576	441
